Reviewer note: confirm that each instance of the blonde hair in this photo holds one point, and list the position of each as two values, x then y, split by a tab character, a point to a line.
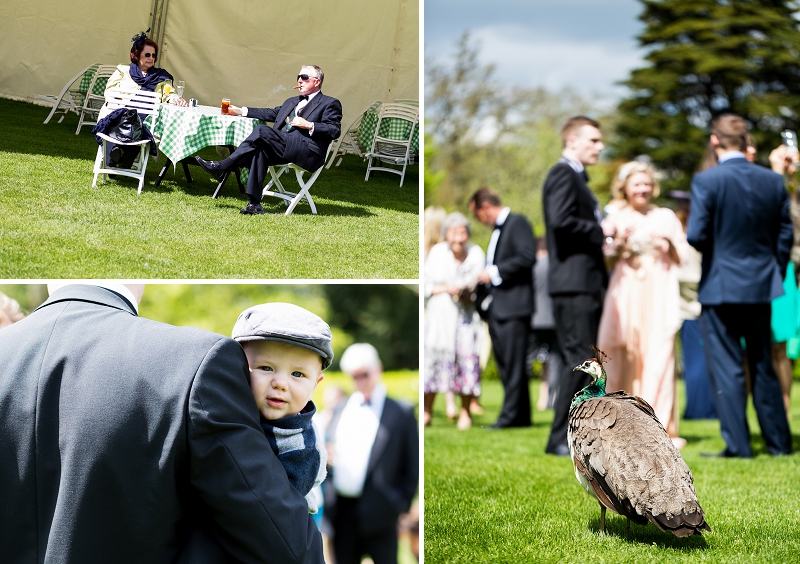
432	233
9	309
625	172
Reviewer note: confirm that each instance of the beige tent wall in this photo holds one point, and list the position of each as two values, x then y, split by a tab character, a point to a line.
43	43
252	52
247	50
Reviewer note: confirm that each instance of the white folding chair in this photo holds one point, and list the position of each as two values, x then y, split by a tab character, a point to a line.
291	199
146	103
71	96
347	144
394	150
94	98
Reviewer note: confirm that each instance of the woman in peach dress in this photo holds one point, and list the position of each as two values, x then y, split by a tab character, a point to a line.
641	314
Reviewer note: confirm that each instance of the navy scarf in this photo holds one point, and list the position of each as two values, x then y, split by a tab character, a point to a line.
153	78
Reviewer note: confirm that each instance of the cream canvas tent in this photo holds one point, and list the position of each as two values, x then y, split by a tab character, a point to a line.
247	50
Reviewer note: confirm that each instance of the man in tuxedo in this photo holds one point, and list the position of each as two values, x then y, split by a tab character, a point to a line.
577	276
118	433
303	127
374	464
508	307
740	222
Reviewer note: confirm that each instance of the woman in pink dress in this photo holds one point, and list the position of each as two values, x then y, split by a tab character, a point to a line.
641	315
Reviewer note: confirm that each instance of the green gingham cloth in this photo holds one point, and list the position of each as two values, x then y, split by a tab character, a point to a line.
86	80
392	128
182	131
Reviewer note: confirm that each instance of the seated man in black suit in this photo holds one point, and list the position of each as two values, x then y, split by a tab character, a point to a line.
292	139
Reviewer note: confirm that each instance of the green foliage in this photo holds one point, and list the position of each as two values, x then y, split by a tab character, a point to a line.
496	497
481	133
55	225
385	315
708	57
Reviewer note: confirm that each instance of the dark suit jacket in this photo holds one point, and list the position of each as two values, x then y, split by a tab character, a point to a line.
302	148
392	471
574	236
514	256
740	221
117	431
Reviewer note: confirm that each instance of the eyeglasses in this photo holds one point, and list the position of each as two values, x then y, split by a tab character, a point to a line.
305	77
149	55
360	375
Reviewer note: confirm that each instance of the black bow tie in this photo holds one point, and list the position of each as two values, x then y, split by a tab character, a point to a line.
303	97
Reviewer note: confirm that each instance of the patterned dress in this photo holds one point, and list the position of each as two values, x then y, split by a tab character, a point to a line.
452	328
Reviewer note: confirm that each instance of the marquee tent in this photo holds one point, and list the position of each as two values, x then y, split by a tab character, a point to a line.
246	50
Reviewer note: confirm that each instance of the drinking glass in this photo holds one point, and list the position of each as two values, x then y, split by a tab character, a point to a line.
225	103
180	88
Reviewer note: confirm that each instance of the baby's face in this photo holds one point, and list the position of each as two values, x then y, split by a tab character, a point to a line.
282	376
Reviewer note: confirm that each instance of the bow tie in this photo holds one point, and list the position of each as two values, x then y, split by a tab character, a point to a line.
303	97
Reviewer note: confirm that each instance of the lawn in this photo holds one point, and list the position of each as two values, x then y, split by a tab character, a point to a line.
494	496
55	225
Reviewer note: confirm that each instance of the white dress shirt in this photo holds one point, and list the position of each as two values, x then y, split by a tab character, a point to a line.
355	435
491	268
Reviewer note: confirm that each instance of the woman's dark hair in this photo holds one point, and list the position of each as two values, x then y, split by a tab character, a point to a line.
136	53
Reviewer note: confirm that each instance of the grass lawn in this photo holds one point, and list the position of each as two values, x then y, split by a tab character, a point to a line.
55	225
496	497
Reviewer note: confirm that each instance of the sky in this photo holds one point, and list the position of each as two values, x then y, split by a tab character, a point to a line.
585	44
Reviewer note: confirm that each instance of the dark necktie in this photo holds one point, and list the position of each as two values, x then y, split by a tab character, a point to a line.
294	113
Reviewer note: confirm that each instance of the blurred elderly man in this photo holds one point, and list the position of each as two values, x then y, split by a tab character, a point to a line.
374	457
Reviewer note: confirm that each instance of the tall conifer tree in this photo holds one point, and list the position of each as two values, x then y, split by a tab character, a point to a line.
708	57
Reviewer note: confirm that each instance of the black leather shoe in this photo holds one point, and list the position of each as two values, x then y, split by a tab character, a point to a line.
252	209
211	168
558	450
724	454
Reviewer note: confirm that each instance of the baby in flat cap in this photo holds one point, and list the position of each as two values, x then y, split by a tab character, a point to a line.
287	348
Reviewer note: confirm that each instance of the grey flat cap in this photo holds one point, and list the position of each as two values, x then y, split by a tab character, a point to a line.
286	323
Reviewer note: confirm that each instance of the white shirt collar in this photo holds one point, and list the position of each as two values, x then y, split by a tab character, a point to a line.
114	287
502	216
577	166
730	155
376	399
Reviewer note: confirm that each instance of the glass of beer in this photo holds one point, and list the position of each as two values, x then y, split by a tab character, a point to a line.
225	103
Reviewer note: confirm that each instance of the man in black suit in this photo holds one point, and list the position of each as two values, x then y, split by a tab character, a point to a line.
577	277
374	464
509	305
740	222
118	433
292	139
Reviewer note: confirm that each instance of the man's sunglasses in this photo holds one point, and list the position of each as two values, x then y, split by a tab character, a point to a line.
149	55
304	77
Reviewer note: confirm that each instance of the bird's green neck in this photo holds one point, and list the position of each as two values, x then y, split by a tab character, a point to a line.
593	390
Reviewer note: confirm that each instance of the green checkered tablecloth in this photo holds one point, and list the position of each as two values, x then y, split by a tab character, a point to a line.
183	131
86	80
391	128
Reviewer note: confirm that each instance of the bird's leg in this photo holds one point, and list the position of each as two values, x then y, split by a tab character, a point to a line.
602	518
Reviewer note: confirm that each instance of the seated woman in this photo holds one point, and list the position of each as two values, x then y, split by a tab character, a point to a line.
141	74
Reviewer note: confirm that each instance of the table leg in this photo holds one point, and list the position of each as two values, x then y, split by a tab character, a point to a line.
185	163
162	173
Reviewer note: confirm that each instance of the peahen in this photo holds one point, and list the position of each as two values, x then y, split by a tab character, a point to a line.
625	459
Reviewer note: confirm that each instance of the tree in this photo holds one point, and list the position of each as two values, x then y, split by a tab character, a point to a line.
482	133
709	57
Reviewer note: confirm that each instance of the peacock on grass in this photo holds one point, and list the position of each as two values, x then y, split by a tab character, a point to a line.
625	459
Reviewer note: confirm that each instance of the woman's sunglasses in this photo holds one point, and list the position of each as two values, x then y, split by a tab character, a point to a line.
149	55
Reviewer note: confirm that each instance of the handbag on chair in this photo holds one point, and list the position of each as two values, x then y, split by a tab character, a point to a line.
125	130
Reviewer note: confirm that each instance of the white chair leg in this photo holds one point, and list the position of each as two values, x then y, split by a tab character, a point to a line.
98	164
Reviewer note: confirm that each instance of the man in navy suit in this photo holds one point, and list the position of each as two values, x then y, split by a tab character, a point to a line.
509	279
577	275
303	128
740	222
